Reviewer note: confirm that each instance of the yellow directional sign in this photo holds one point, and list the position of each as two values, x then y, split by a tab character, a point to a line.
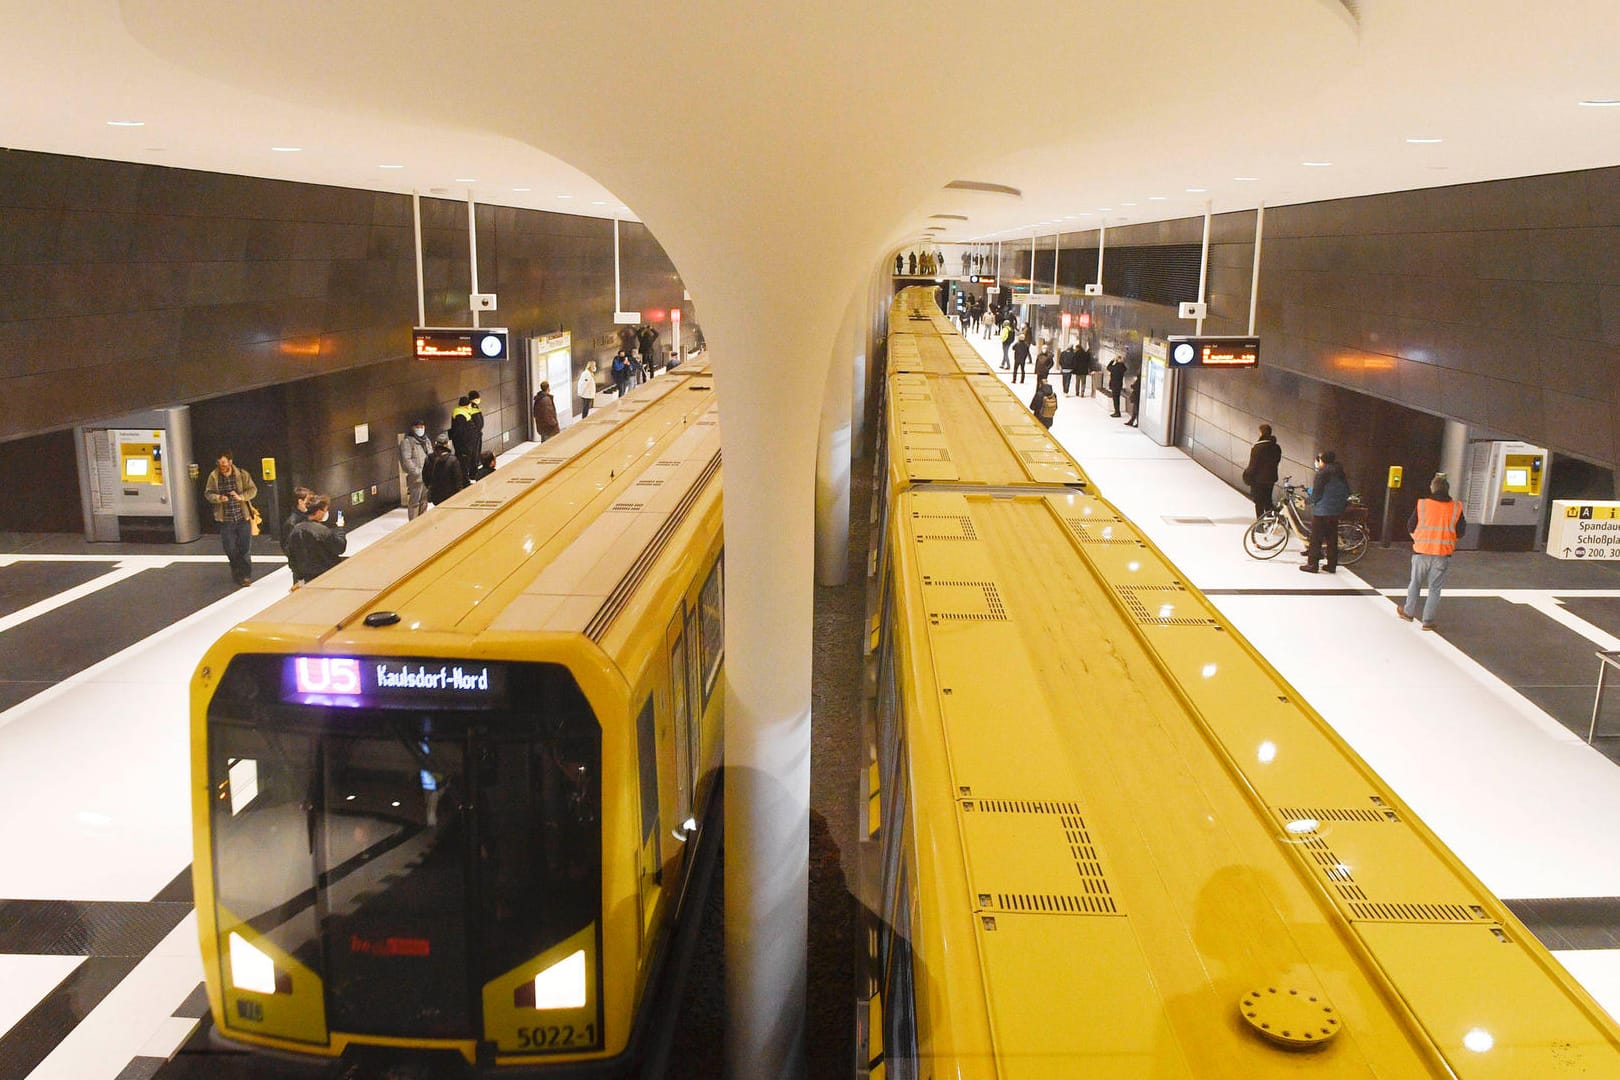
1394	476
267	468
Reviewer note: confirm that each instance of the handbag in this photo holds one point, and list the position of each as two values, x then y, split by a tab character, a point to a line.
255	521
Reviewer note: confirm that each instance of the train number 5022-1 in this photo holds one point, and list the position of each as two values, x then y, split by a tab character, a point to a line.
556	1037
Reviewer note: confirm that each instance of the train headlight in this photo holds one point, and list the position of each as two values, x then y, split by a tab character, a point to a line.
251	969
562	985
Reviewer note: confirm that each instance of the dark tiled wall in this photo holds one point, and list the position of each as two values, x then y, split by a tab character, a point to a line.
124	287
1496	304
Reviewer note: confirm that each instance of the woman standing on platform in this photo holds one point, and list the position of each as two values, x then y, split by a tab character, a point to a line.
586	390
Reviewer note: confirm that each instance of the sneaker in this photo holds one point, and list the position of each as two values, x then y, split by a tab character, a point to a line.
1428	626
244	582
1402	613
1307	568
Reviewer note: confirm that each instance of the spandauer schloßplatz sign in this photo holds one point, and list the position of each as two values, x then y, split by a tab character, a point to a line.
1584	530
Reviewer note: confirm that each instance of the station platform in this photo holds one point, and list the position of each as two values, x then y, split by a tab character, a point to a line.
1480	726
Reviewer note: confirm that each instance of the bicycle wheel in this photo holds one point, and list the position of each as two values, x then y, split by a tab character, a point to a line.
1266	538
1353	539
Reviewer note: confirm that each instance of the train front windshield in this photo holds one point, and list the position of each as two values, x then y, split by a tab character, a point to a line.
405	830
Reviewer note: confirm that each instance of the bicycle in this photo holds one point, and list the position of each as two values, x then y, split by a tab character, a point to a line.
1269	536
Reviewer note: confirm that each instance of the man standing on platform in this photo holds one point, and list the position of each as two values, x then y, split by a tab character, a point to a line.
1116	380
1436	525
1261	475
230	490
414	450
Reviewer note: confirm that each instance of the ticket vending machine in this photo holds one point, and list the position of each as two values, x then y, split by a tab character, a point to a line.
134	478
1503	485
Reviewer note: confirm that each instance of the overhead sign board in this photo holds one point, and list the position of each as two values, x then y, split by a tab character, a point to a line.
459	343
1584	530
1214	352
1037	299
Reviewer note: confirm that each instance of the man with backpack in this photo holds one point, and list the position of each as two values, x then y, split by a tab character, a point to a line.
1044	404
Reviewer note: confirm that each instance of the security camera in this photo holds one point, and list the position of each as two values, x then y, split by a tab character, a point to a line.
481	301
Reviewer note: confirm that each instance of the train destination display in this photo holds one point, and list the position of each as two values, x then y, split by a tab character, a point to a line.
1214	352
373	682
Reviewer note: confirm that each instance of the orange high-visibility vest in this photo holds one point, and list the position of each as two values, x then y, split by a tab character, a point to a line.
1436	532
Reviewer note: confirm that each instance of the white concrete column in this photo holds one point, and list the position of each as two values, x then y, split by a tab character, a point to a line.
1453	456
769	439
833	452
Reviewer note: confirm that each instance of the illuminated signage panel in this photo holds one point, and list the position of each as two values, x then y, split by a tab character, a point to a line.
389	682
459	343
1214	352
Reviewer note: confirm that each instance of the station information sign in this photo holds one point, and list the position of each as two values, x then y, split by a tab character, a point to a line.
1584	530
1214	352
383	682
459	343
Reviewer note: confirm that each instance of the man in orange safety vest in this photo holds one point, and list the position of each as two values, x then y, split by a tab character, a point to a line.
1435	525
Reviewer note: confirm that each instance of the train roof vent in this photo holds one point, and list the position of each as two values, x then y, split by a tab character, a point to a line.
1099	532
960	527
1036	824
912	427
627	506
521	479
928	453
649	483
1373	911
486	504
963	601
1045	457
1162	605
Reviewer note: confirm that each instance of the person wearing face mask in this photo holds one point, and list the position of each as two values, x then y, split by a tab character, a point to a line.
413	454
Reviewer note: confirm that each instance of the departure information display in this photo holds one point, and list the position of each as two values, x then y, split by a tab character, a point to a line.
459	343
382	682
1214	352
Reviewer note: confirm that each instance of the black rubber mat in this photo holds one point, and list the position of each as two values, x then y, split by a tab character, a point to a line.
86	927
60	643
1589	922
1392	568
33	1037
23	584
1602	612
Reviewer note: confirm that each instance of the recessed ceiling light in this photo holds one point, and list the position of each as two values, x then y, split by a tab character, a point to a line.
1127	204
598	202
466	179
1245	178
157	149
1156	198
126	123
390	166
626	209
1601	103
1197	190
1316	164
1424	141
565	196
287	149
522	189
1105	209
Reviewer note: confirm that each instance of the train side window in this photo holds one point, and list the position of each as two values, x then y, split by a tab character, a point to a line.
712	646
647	755
899	994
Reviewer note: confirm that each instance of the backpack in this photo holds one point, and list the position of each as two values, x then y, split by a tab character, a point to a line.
1049	405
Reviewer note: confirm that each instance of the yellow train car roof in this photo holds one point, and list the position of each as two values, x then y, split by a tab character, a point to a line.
969	430
1161	862
548	542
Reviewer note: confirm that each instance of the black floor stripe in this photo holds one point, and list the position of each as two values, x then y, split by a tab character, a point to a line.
106	928
24	584
1580	922
195	1007
1348	591
61	643
141	1068
33	1037
177	891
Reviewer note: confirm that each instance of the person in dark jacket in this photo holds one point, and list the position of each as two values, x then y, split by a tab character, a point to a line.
443	473
464	436
1020	351
1084	364
621	372
1066	362
1135	401
1116	381
544	412
1044	404
1328	497
1043	363
647	344
299	515
1261	475
486	465
313	547
476	403
414	449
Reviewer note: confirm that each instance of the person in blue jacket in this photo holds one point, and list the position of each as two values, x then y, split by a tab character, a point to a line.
1328	498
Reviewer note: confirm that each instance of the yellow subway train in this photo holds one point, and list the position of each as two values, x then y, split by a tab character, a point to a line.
1108	840
449	797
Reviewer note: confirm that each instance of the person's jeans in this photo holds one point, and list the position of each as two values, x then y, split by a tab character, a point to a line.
236	537
1432	569
416	497
1260	495
1324	533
